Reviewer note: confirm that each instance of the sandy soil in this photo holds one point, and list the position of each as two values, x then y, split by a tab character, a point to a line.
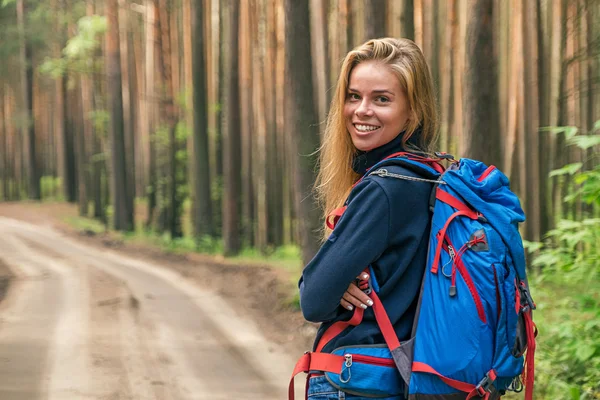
135	315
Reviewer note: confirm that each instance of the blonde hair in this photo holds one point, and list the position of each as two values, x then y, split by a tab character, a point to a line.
403	56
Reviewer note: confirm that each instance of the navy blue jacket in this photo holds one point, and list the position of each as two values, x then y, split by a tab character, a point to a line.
386	225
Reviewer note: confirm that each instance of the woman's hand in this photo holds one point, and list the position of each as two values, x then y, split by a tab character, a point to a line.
354	297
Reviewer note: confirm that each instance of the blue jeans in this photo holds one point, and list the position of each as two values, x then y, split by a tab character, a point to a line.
319	388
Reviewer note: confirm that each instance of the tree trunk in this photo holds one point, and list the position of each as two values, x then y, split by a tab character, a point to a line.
149	108
482	119
274	158
260	127
300	122
169	117
204	220
532	118
27	93
123	212
543	71
246	125
407	20
230	128
375	18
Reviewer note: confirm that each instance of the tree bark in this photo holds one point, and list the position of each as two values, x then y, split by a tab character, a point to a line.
301	122
482	119
532	119
375	18
230	128
169	118
27	93
203	207
149	109
123	212
247	121
407	20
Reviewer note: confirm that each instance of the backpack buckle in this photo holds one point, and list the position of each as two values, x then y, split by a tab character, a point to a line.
485	386
364	285
526	296
444	156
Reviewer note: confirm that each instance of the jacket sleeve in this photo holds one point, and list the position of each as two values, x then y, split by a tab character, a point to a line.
359	238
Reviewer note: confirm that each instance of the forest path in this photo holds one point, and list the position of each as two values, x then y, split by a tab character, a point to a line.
85	323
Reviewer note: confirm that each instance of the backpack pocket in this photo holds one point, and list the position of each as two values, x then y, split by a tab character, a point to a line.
367	371
511	336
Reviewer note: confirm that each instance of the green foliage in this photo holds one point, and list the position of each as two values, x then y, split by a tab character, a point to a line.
79	53
51	188
567	289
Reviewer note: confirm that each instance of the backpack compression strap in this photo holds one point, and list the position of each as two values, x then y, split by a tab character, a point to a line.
318	361
433	163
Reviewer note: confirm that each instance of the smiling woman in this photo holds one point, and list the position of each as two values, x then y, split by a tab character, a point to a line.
376	107
383	104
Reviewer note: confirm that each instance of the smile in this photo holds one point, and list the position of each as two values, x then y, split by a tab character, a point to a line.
365	128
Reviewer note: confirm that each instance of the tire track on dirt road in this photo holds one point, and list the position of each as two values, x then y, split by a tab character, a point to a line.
148	332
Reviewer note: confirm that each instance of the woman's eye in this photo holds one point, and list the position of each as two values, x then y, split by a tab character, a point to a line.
353	96
383	99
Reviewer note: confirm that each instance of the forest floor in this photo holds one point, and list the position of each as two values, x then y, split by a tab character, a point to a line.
253	292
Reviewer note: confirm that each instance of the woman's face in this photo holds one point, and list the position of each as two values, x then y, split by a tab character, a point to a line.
376	108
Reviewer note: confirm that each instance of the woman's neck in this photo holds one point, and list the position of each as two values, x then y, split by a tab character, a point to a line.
363	160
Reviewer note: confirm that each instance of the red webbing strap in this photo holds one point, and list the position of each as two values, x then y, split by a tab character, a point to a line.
335	215
339	326
529	370
385	325
442	233
462	209
458	385
432	162
318	362
451	200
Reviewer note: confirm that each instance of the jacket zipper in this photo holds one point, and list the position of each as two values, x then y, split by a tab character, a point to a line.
382	362
447	245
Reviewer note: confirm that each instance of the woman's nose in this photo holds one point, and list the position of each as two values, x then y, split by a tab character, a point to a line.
364	109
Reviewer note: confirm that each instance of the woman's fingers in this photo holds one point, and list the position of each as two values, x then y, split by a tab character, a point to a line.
354	297
354	291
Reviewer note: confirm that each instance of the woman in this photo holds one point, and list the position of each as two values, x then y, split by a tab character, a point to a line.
384	103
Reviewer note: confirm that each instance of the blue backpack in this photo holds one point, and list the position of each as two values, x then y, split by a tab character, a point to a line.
473	334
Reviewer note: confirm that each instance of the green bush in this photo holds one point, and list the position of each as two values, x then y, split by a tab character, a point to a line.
567	290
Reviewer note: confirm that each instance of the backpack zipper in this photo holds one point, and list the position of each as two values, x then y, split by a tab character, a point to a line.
462	270
382	362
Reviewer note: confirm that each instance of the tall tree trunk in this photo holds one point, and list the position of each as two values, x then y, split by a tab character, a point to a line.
482	116
407	20
274	158
230	128
543	71
149	107
247	122
27	93
301	120
204	220
532	118
83	137
375	18
260	126
169	117
189	98
123	212
320	60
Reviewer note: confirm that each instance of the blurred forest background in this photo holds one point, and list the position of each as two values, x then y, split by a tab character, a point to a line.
195	122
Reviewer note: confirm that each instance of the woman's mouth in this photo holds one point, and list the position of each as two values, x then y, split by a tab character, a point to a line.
362	128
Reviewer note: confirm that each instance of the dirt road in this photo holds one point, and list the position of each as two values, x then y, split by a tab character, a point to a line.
84	323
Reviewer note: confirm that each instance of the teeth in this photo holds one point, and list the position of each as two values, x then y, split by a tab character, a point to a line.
366	128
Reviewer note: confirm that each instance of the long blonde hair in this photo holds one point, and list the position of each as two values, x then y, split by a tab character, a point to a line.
403	56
